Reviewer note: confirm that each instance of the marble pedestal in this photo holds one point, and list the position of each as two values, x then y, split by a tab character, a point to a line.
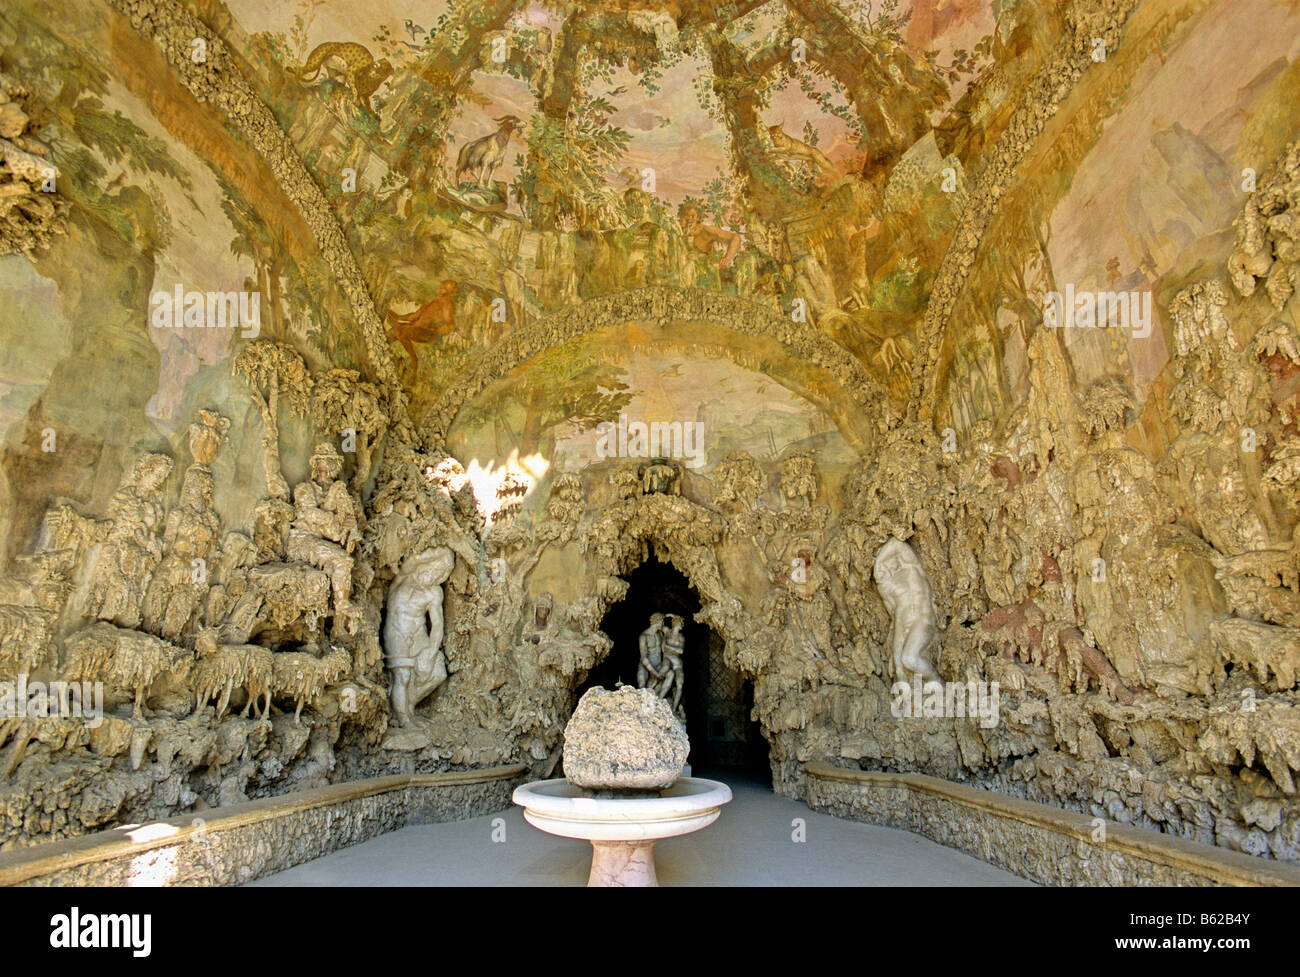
622	830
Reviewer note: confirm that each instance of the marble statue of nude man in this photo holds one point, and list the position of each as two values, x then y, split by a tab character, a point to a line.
413	630
652	667
674	647
914	631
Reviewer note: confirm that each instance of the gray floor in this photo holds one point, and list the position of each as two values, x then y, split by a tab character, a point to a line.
749	845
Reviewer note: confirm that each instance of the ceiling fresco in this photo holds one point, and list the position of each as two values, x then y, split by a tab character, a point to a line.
902	182
534	155
1133	185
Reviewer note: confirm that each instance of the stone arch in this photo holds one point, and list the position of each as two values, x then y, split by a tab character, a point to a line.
661	305
684	339
682	533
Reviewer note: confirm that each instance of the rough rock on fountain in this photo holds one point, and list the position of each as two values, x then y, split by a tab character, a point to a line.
627	739
624	752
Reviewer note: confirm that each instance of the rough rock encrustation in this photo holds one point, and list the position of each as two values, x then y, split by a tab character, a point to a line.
622	740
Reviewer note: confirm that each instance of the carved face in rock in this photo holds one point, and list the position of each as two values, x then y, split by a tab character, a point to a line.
899	574
206	434
197	490
326	464
542	612
150	472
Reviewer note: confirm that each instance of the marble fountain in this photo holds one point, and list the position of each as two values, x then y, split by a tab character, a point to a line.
624	752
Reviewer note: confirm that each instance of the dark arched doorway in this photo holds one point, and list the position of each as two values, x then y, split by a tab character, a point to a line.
717	700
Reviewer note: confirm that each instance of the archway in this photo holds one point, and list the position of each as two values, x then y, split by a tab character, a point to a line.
729	320
718	701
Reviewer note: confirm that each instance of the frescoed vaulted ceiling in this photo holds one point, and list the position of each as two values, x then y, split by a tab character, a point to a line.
635	143
432	192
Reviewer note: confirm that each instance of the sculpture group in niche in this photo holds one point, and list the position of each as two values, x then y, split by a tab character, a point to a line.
650	669
661	668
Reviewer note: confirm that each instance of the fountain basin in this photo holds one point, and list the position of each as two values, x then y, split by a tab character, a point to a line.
622	830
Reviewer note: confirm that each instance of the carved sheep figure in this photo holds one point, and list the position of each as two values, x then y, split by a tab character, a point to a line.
303	677
123	659
220	669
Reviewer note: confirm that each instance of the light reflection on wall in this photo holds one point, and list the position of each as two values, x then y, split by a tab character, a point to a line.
488	480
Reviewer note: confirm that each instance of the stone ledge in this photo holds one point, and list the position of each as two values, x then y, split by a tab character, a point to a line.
237	844
1046	844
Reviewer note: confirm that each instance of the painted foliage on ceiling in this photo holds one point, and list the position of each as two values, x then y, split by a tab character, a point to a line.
493	163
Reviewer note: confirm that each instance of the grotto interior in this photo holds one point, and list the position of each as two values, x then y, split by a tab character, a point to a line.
371	373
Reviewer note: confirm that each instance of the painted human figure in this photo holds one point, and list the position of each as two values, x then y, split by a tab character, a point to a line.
413	630
652	667
705	237
674	648
914	631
